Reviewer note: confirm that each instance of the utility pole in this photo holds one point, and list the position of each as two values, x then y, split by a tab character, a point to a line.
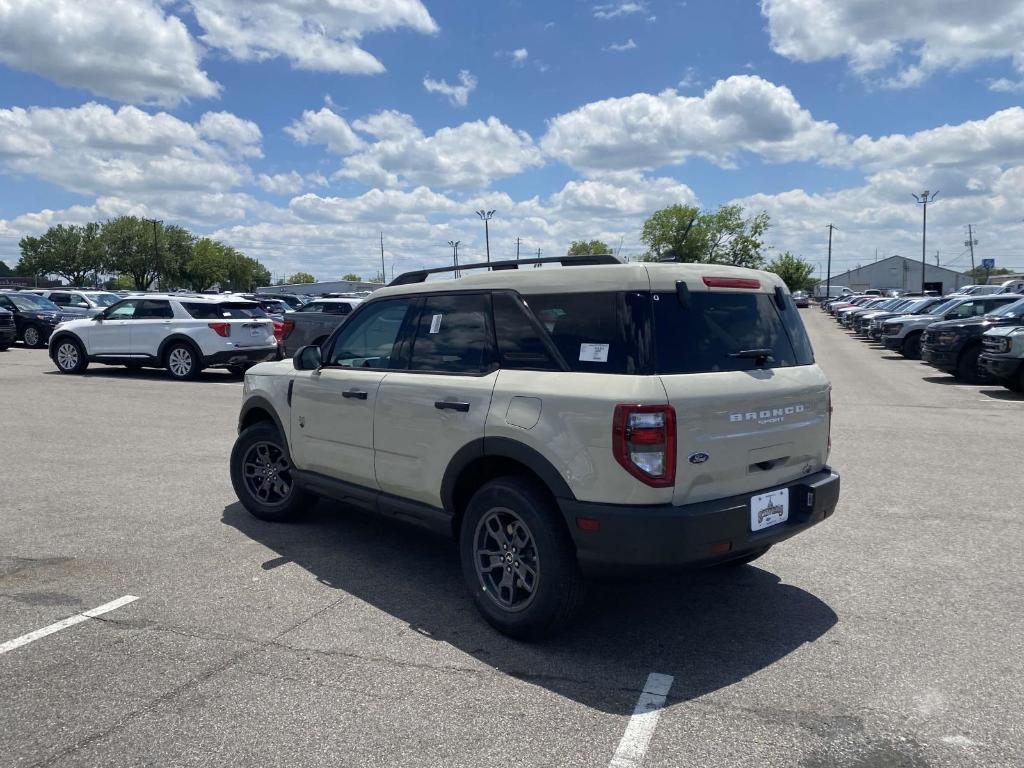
923	200
156	248
383	274
936	258
486	217
517	249
971	242
828	271
455	255
535	266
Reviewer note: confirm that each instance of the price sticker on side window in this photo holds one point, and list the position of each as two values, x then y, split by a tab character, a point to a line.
594	353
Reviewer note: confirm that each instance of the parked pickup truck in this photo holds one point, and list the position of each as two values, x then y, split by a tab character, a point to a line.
954	346
903	333
1002	356
313	323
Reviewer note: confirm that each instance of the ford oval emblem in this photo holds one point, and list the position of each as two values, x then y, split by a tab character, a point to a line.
698	458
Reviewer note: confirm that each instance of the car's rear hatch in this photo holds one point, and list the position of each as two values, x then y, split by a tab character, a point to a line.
752	408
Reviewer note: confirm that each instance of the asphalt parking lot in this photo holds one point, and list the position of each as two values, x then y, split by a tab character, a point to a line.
890	636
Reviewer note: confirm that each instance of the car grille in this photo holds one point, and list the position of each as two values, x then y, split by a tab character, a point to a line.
6	321
997	345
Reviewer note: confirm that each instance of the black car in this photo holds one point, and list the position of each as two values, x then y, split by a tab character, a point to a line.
34	317
955	345
8	333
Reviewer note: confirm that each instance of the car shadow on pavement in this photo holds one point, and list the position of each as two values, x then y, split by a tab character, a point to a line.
216	376
1003	394
709	629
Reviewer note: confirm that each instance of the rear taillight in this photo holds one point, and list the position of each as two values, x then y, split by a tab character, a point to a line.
732	282
278	330
221	329
644	442
286	329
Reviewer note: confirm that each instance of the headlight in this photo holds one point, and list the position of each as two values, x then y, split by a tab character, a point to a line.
893	328
946	337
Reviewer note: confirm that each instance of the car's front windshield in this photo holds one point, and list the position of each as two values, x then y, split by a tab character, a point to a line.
1016	309
943	307
27	302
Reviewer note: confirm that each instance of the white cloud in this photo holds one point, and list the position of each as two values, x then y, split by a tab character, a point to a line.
1005	85
289	183
325	127
469	155
243	136
645	131
629	45
916	37
458	95
317	35
126	50
93	149
614	10
518	57
689	79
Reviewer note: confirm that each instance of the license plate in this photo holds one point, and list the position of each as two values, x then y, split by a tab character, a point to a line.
768	509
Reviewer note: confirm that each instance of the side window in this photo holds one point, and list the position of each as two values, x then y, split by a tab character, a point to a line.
7	304
316	307
453	335
368	340
123	311
519	342
60	299
337	309
154	310
202	311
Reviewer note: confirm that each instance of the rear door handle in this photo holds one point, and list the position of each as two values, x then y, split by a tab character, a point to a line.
355	394
451	405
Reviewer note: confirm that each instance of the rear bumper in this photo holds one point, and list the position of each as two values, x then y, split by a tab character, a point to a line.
241	356
1000	367
663	536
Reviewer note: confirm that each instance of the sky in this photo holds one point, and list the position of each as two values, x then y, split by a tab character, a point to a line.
300	131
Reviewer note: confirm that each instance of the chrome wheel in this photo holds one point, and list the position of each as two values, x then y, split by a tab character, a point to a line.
506	559
67	356
32	336
180	362
267	473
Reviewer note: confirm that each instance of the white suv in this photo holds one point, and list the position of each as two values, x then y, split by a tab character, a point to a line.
79	302
183	334
556	422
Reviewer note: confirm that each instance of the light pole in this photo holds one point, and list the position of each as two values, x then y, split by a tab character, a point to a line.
923	200
486	216
157	223
455	255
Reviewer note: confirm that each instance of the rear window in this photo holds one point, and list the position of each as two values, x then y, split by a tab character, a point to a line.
722	331
230	311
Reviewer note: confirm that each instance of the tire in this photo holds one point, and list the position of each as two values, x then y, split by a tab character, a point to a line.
32	337
182	362
1016	382
3	347
258	448
967	365
911	348
538	543
69	357
749	557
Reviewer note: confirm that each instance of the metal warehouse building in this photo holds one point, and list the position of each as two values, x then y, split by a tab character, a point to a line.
901	272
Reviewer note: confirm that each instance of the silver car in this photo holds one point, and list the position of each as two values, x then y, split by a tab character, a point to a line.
314	322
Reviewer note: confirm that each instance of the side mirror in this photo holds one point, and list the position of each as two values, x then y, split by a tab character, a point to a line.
98	317
307	358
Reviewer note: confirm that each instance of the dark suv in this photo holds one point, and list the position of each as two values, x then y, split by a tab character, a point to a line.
34	317
954	346
8	333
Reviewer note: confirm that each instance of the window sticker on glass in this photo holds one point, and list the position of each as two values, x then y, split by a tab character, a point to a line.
435	323
594	353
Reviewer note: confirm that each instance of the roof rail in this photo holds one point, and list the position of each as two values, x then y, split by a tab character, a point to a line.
420	275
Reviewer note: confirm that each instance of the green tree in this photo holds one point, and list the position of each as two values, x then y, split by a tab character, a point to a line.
684	233
794	271
207	265
5	271
587	247
129	250
68	250
979	275
352	278
301	277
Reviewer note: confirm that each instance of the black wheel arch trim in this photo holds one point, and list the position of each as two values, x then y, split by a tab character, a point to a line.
180	337
56	338
501	447
257	402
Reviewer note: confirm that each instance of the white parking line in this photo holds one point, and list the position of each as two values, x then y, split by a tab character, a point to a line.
634	742
70	621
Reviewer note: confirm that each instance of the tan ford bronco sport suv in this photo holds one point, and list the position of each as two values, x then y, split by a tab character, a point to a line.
556	421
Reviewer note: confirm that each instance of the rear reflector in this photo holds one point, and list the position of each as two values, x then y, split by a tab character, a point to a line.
721	547
644	442
221	329
732	282
588	524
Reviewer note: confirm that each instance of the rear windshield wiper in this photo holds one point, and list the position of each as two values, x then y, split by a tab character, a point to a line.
759	356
